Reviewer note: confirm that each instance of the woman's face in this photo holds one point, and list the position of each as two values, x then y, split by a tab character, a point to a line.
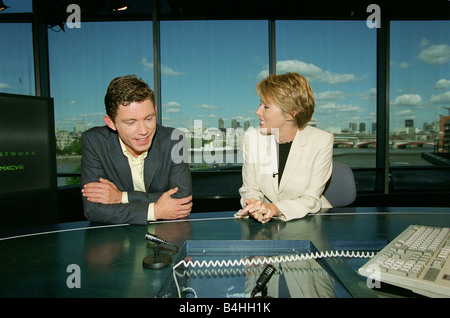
272	117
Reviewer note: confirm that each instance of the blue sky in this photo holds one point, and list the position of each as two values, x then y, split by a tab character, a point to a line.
16	59
217	66
84	61
420	71
210	69
342	75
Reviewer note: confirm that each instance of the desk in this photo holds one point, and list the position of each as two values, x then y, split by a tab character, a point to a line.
109	257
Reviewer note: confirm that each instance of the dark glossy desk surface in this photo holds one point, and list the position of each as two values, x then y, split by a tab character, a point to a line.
34	263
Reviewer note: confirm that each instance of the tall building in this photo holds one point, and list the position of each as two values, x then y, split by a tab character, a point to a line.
409	123
235	124
444	134
362	127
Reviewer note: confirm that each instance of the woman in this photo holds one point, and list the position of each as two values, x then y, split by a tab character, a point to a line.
286	163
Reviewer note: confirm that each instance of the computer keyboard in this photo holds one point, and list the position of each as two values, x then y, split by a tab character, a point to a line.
417	259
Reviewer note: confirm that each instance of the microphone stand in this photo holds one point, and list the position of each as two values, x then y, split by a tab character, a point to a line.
158	260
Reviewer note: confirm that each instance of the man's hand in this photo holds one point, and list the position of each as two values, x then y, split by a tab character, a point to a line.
169	208
104	192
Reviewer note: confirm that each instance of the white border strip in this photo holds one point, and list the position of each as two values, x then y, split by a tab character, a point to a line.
60	231
193	220
371	213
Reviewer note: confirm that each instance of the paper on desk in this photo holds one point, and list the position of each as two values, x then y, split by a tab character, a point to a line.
238	215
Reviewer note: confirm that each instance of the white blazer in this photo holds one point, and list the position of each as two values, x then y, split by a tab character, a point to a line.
307	170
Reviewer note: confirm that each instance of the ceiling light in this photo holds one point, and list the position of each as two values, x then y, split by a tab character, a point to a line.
118	5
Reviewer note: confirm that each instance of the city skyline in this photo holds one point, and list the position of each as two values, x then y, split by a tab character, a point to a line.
209	69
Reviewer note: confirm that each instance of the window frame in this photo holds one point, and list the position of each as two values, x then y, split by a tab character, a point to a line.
382	170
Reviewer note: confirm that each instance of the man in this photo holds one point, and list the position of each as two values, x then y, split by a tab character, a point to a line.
134	170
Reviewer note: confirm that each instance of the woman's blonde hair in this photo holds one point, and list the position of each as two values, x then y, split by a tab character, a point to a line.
291	92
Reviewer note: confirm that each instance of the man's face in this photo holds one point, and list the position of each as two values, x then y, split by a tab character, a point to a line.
136	125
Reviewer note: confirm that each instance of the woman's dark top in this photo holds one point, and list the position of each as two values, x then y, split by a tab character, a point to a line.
283	152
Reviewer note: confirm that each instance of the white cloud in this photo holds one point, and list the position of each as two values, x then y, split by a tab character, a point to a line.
424	42
165	70
311	72
442	84
441	99
367	95
435	54
407	100
172	104
172	107
263	74
95	114
332	108
169	71
71	119
173	110
146	64
340	95
406	112
404	65
206	106
4	86
330	96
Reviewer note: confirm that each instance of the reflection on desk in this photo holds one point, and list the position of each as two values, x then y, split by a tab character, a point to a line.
109	257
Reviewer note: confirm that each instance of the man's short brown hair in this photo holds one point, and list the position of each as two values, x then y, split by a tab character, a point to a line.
124	91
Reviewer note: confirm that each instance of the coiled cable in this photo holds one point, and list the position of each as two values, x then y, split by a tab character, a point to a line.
267	260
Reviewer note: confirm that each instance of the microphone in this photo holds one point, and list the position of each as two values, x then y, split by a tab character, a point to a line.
262	280
157	260
274	174
155	239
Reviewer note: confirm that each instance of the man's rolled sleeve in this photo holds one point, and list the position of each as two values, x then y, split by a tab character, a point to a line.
151	212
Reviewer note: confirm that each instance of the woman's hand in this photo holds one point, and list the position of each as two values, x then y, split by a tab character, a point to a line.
263	212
